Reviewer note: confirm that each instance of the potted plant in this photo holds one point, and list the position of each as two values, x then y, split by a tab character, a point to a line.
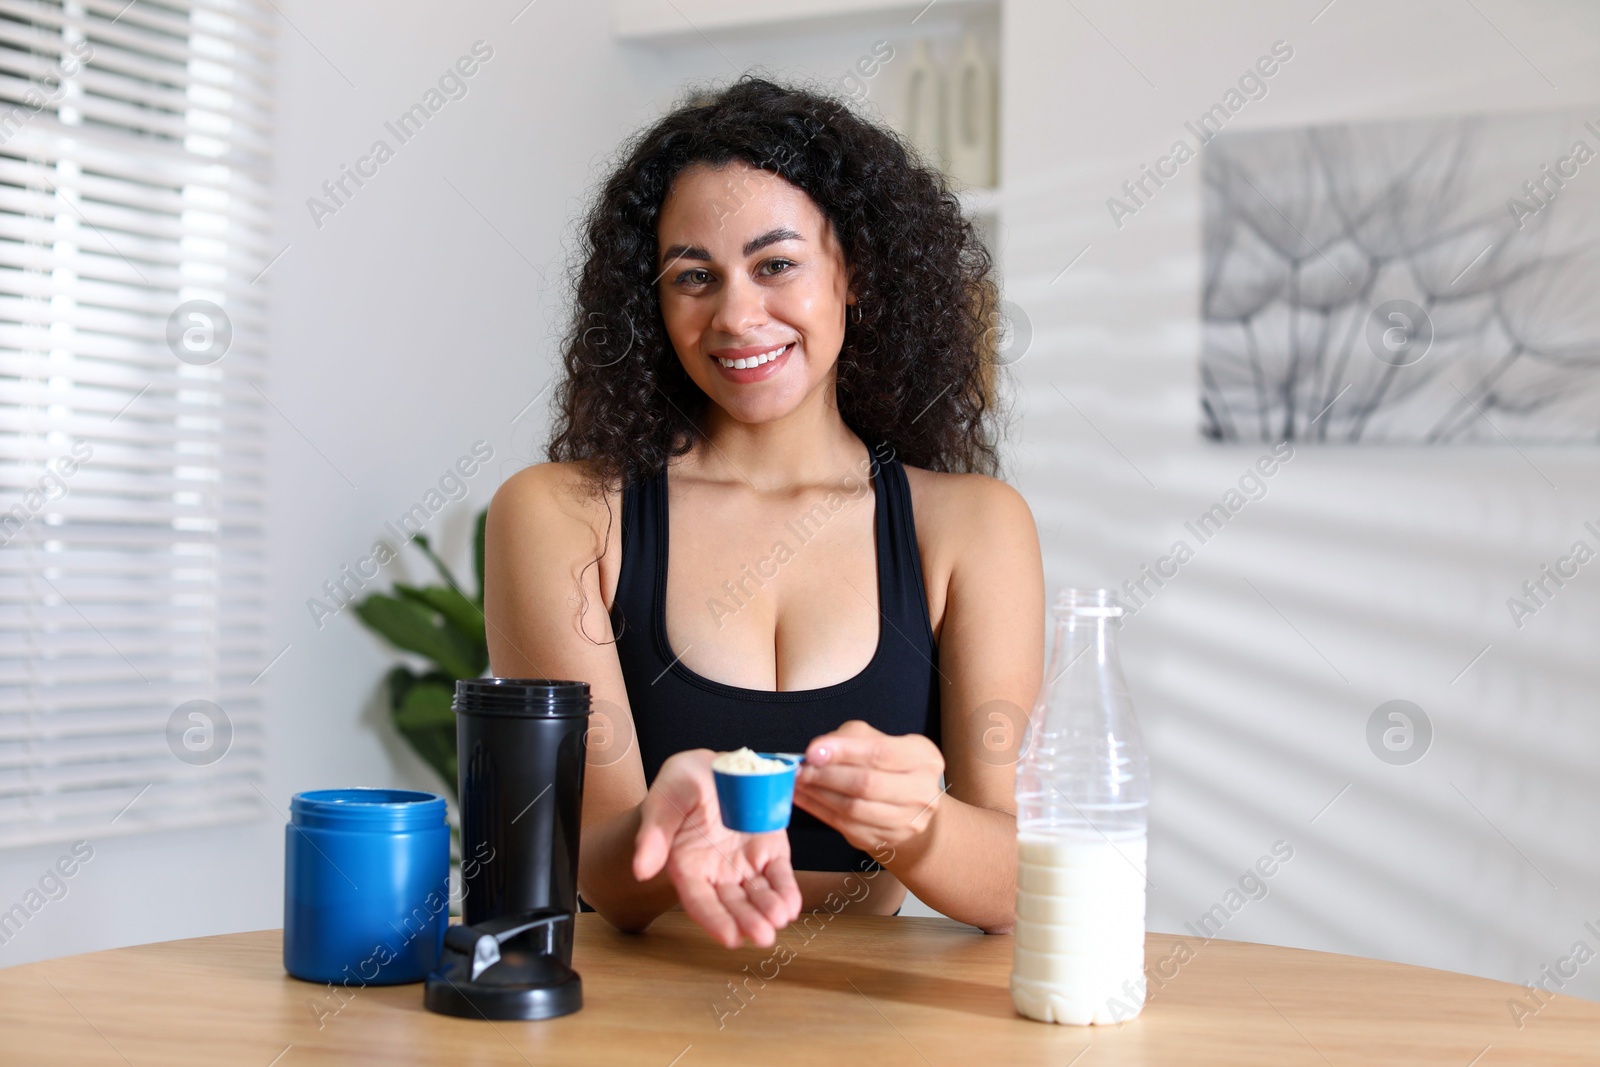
444	626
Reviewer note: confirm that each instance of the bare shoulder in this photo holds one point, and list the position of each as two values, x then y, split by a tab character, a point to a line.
550	497
974	533
957	511
550	516
550	549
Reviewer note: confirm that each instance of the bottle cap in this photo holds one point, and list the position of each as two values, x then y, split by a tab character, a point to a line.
1090	603
522	698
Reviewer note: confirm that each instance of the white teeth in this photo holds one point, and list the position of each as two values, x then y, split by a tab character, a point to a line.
753	361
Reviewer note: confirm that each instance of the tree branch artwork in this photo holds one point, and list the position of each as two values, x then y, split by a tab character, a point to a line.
1424	281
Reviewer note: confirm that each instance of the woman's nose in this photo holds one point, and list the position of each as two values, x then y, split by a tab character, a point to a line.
741	308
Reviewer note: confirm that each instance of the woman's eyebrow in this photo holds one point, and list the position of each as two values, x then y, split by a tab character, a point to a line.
676	252
673	253
771	237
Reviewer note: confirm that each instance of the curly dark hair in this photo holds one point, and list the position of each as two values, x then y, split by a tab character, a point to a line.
916	370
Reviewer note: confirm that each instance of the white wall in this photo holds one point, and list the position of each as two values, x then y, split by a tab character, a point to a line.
1392	563
408	328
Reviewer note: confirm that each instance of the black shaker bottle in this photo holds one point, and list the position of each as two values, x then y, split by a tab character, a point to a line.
520	749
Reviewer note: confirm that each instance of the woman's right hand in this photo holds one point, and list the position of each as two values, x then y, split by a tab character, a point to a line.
733	884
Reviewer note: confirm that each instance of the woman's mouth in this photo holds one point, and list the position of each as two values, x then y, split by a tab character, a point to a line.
744	365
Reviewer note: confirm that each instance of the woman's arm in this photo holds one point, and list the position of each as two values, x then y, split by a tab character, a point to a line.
956	851
546	618
641	851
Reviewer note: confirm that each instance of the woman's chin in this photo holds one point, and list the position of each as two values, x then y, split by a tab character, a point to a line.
755	411
772	400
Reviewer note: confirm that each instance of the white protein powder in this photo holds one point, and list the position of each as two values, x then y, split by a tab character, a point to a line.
745	761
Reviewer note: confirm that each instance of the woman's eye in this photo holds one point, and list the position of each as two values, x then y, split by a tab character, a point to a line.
694	277
776	266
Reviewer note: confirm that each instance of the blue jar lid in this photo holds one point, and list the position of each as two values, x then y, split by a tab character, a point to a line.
367	809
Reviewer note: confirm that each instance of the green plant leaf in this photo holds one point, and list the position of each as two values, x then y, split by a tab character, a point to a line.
422	542
477	550
424	719
400	679
460	612
426	707
415	627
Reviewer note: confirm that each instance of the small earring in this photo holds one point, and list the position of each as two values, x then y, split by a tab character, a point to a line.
857	309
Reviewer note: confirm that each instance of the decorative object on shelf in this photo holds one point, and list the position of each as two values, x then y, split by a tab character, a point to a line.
442	624
1422	281
970	135
924	109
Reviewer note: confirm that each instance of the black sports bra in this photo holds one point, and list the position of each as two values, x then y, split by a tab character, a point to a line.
676	709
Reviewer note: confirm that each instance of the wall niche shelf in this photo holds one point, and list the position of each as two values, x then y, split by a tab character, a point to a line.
825	42
668	21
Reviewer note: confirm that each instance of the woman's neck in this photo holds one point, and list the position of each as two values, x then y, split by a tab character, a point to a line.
809	446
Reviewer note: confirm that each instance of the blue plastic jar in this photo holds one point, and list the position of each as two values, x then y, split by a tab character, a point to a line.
366	885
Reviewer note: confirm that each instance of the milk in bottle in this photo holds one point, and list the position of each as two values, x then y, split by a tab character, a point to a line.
1082	795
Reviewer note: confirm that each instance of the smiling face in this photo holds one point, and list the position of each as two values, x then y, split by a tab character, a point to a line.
753	289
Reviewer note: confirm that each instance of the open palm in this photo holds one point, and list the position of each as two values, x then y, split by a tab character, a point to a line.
735	885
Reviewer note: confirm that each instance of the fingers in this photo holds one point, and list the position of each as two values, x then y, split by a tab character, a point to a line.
733	885
866	784
839	808
859	744
680	789
889	787
780	877
702	902
735	898
772	888
752	893
659	822
731	910
773	907
854	737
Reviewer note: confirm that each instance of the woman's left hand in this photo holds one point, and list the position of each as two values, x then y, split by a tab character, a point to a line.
874	788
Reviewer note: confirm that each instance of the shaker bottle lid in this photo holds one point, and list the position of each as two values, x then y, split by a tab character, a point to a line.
522	697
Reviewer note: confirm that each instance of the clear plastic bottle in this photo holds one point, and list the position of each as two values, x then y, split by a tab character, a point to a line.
1083	794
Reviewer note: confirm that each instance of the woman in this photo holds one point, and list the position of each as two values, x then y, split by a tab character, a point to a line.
779	343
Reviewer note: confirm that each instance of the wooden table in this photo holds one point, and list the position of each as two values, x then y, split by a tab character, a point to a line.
862	991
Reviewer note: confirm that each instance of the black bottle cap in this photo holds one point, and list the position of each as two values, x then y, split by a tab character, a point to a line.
522	697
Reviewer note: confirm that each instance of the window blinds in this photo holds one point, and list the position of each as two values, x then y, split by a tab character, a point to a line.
134	226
